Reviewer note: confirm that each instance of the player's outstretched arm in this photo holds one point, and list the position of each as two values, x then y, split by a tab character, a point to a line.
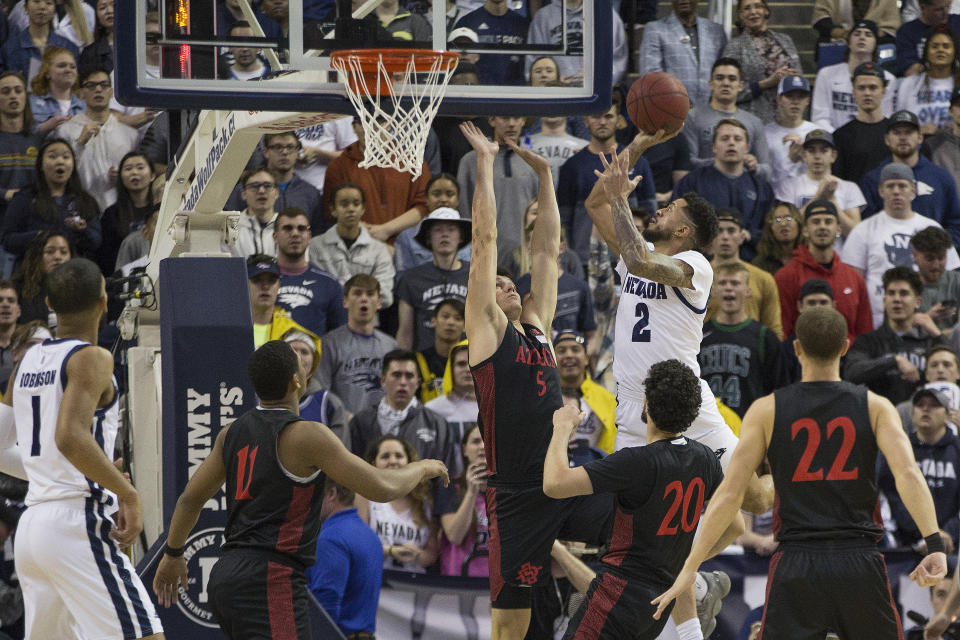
911	485
203	485
89	375
314	445
640	260
485	321
578	573
597	203
559	480
725	504
541	303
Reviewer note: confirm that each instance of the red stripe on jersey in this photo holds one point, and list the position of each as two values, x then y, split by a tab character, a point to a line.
621	539
774	561
893	605
493	544
283	625
487	400
878	517
288	538
604	598
776	524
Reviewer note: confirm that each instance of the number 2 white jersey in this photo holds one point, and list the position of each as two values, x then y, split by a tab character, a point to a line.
657	322
37	393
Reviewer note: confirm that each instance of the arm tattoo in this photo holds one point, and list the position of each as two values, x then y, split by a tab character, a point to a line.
640	260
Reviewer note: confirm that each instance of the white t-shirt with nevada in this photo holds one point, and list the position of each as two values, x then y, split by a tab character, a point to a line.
781	167
801	190
929	101
657	322
329	136
881	242
556	149
833	104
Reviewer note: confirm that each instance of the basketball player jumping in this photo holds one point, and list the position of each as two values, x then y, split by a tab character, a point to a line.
821	436
274	466
518	391
62	400
663	297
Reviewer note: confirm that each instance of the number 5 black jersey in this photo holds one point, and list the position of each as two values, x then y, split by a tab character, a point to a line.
823	455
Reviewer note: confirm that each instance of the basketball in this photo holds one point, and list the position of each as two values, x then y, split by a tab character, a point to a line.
658	101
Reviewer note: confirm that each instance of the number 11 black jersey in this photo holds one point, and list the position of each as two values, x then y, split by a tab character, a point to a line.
823	455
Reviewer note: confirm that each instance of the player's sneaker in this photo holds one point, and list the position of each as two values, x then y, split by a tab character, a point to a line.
718	586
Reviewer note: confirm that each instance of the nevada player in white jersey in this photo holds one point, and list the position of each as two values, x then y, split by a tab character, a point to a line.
665	284
61	407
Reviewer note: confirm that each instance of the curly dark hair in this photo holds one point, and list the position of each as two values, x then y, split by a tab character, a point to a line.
931	240
903	274
704	219
673	396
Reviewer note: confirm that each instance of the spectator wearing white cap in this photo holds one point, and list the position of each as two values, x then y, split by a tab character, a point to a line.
347	248
786	133
443	190
833	101
941	373
882	241
819	152
444	233
317	403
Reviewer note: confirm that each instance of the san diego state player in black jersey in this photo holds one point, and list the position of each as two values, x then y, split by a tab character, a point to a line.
660	492
821	436
518	390
274	465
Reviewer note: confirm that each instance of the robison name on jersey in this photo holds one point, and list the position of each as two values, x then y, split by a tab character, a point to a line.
37	394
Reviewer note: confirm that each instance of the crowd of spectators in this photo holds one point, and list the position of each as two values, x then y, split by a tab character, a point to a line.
838	192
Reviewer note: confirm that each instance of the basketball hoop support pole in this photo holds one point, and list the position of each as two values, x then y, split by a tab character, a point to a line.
191	222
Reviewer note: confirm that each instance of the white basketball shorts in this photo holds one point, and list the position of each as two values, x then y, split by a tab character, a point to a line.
74	577
708	429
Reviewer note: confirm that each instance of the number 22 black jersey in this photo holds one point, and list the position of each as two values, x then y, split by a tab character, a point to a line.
823	454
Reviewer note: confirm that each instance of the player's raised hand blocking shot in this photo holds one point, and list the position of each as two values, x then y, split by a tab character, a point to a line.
517	395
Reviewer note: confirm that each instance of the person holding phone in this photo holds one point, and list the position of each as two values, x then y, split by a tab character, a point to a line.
941	288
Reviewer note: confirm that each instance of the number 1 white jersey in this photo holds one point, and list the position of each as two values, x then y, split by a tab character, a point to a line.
37	393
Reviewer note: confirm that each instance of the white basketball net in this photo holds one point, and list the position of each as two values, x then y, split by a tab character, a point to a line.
396	137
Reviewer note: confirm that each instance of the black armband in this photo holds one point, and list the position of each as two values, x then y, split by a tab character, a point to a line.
176	553
934	543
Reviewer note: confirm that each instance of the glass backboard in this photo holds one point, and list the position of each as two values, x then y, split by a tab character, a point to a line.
193	54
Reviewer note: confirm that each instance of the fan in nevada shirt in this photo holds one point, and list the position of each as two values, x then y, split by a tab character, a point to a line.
313	298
